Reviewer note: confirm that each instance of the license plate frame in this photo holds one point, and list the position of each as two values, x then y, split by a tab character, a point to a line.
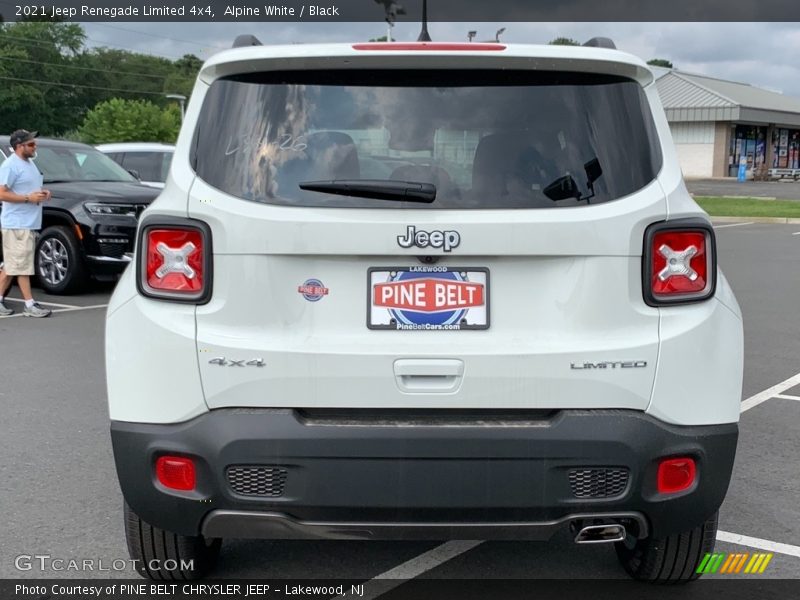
390	314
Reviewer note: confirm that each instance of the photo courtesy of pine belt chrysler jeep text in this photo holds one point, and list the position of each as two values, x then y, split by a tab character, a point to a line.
424	291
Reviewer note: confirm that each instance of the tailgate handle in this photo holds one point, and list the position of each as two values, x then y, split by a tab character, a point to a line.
428	375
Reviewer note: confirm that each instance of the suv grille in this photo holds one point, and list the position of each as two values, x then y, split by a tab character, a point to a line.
113	247
598	482
257	480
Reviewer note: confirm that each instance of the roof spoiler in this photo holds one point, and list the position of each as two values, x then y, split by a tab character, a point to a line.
601	42
246	40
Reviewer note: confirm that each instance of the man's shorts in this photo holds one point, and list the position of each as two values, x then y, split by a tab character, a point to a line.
18	249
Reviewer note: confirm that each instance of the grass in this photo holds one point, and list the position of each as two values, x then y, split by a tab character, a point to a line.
748	207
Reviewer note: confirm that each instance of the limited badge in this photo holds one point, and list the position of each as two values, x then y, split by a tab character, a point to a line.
312	290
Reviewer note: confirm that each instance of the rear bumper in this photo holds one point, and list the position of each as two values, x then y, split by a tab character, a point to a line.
383	478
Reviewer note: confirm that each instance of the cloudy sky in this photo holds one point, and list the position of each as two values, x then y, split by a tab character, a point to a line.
762	54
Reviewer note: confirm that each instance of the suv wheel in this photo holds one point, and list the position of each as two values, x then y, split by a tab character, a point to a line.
59	266
672	559
165	555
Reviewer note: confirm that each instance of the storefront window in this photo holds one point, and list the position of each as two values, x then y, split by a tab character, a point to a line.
749	142
786	148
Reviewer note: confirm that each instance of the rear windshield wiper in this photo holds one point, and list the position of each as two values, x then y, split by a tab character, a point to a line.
379	189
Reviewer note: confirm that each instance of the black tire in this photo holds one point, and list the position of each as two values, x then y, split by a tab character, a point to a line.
58	262
672	559
163	555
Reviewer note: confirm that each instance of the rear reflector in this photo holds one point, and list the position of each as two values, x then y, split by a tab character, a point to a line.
176	473
676	475
679	263
430	46
174	261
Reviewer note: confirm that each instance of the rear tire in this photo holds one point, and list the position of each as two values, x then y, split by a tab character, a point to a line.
157	551
671	559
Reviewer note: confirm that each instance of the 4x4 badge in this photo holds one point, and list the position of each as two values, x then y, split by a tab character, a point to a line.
225	362
446	240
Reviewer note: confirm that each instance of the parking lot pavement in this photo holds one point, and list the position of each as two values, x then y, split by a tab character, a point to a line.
781	190
64	501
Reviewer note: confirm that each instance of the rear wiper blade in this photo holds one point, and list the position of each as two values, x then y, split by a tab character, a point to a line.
379	189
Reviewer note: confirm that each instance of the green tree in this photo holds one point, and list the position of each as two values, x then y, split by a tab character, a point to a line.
660	62
383	38
119	120
183	73
49	80
36	92
564	41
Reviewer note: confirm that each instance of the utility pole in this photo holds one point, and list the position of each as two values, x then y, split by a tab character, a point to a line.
392	9
180	98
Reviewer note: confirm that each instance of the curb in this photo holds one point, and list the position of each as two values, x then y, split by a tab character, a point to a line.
777	220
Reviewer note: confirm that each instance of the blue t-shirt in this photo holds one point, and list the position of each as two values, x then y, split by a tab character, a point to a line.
21	177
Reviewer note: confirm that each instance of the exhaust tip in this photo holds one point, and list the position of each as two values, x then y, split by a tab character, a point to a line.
600	534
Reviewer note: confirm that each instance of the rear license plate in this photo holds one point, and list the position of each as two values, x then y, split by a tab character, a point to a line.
428	298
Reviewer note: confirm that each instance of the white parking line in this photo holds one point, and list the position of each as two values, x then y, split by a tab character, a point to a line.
20	300
786	397
796	233
772	392
77	308
746	540
380	584
58	312
732	225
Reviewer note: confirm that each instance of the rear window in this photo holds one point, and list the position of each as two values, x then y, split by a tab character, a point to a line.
151	166
485	139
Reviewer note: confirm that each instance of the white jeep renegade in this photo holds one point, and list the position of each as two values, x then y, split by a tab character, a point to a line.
424	291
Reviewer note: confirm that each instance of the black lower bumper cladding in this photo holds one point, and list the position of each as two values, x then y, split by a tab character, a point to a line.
351	477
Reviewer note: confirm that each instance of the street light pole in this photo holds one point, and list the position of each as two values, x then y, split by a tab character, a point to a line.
180	98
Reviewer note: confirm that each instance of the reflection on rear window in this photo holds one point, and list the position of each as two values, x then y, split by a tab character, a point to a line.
485	139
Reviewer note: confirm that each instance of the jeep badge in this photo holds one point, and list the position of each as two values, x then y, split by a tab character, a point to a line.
447	240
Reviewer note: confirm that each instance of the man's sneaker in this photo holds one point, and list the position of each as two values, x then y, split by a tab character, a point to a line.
36	311
5	311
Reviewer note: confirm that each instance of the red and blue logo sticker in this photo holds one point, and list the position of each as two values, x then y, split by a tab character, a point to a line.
313	290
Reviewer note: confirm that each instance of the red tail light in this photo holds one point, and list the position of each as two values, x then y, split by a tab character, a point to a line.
679	262
176	472
175	261
675	475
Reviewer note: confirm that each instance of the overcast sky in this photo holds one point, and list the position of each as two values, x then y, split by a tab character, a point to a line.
762	54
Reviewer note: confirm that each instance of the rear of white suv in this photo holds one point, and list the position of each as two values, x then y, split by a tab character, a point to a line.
425	291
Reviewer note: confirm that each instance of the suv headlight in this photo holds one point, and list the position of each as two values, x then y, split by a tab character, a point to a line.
109	209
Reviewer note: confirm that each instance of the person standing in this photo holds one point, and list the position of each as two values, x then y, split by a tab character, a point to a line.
22	195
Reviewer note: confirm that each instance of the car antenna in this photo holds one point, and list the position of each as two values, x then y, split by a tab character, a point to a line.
424	36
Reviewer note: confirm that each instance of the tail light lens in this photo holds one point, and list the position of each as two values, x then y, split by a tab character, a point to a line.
176	472
174	261
679	262
675	475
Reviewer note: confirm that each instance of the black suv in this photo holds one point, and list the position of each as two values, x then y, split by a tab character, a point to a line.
88	226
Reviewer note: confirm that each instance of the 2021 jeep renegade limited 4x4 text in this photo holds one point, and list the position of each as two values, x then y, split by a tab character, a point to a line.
424	291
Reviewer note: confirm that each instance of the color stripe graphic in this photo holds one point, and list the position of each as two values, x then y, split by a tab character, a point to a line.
721	562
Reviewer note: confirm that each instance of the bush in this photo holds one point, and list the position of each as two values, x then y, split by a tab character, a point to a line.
118	120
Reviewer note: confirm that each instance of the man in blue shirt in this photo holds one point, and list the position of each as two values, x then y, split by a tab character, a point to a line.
22	194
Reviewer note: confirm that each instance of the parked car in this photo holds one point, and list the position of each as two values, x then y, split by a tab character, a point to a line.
519	328
149	161
89	224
